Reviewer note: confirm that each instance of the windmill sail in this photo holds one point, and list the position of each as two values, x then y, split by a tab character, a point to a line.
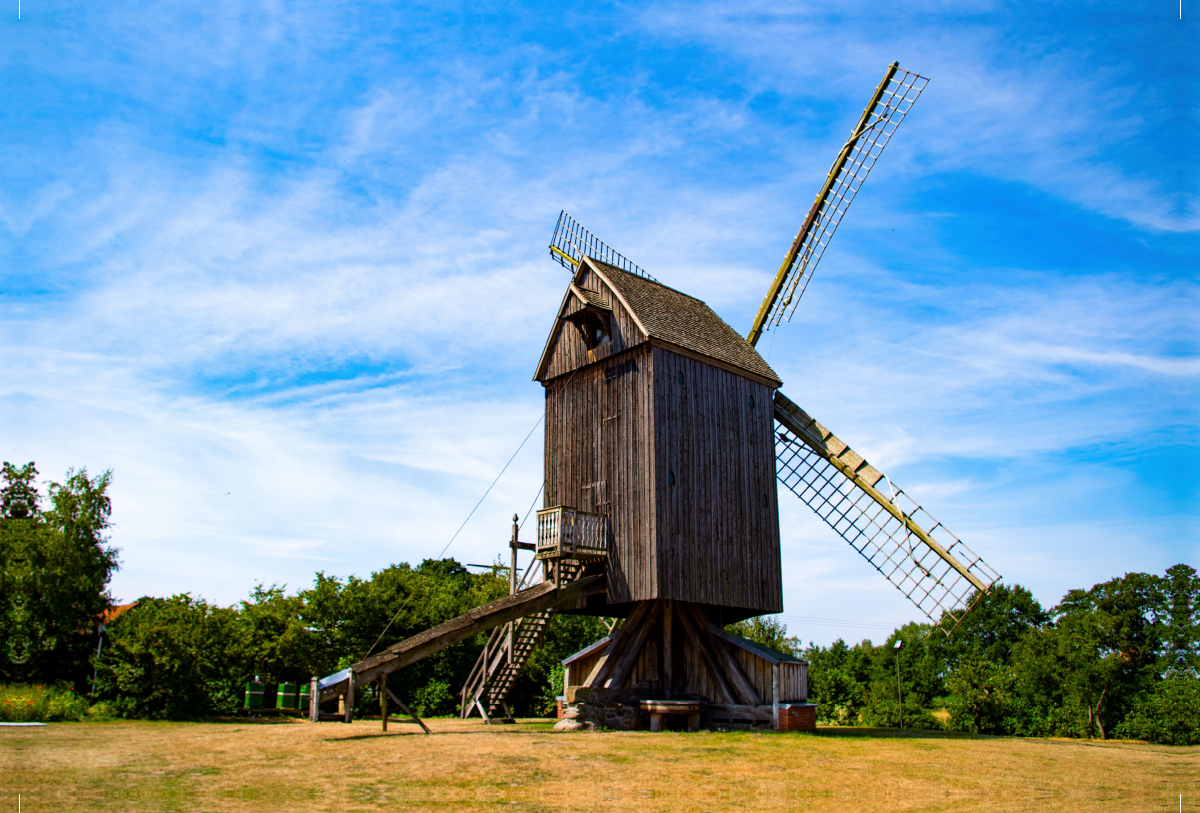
915	552
572	242
893	98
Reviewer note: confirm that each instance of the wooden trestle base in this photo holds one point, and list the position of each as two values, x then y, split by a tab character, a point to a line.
668	651
346	704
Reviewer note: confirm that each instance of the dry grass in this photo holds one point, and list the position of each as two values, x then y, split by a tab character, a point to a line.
297	766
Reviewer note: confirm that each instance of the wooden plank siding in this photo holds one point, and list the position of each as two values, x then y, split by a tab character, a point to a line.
718	523
620	424
567	349
793	682
599	458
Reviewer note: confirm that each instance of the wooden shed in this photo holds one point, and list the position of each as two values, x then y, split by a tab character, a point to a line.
659	418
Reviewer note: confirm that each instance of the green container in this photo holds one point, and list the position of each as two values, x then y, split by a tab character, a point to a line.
254	696
287	696
304	690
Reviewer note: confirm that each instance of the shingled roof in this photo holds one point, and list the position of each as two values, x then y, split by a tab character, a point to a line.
674	317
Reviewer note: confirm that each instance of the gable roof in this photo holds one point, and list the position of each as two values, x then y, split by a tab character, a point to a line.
592	298
671	317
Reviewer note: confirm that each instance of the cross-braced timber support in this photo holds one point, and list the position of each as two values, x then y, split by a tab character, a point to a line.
667	660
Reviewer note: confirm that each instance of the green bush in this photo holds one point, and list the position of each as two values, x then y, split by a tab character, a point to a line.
434	699
1168	715
174	658
41	704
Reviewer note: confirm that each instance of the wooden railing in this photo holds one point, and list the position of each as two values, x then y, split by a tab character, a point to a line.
565	533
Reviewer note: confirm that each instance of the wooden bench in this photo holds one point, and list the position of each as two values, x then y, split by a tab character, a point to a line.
657	708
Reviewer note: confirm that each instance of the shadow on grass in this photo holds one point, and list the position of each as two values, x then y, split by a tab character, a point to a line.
898	733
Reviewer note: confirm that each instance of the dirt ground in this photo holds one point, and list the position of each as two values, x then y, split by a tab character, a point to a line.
466	765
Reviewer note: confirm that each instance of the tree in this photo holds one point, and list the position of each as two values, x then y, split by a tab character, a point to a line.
995	624
919	676
1178	613
1169	714
55	567
176	658
980	696
1079	675
770	632
839	678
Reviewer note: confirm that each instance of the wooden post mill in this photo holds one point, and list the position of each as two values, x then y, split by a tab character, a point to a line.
660	459
667	438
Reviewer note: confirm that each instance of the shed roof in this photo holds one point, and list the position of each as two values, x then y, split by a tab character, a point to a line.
674	318
587	650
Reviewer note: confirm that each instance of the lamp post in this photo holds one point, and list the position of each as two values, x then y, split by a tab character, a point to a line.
899	695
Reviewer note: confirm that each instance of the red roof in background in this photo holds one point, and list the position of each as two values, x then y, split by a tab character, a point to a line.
110	614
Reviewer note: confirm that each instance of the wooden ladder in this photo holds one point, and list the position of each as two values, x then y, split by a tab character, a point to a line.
506	653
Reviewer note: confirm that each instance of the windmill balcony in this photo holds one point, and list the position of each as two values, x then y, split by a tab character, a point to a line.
565	533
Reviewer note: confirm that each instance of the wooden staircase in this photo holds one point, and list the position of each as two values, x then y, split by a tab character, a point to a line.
507	651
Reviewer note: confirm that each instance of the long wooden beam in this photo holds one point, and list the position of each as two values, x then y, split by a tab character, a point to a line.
625	662
764	310
481	619
700	641
408	711
604	665
741	683
777	285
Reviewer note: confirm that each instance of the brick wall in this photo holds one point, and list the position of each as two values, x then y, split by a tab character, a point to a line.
797	716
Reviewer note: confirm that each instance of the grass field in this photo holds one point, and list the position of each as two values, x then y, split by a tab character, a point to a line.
297	766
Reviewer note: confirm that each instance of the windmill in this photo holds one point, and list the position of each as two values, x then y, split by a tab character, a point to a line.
667	436
934	569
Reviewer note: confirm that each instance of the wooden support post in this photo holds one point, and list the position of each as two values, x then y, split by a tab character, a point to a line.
512	585
775	696
348	709
512	572
603	666
633	648
408	711
314	699
700	641
383	709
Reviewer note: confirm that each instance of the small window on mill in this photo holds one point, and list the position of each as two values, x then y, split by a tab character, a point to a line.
594	327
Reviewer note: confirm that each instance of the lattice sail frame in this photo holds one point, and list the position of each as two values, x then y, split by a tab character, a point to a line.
934	569
572	241
891	103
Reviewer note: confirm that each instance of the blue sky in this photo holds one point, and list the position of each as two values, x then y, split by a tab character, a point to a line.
282	267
